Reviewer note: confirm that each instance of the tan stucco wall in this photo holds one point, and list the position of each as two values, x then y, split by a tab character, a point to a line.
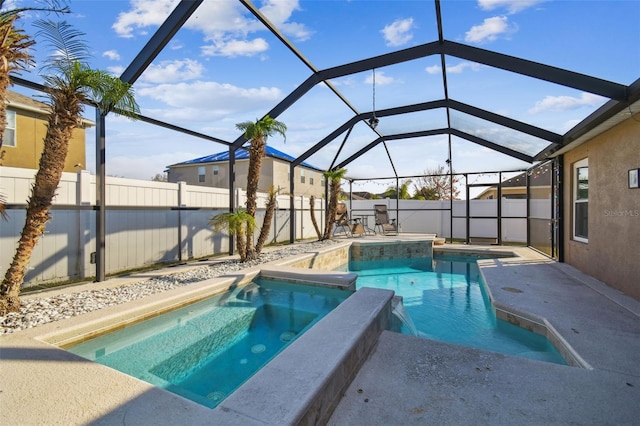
281	174
272	172
31	129
611	254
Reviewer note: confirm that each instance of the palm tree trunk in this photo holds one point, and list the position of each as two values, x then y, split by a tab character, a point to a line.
266	224
331	211
62	121
241	242
312	211
4	83
256	154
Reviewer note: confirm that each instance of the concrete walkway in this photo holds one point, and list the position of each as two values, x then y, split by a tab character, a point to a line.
413	381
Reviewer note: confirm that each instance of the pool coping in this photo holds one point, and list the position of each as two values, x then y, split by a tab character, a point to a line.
129	395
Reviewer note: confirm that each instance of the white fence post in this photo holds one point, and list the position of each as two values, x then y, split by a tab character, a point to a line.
86	240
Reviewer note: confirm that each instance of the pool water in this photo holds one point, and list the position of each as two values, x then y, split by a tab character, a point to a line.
206	350
445	299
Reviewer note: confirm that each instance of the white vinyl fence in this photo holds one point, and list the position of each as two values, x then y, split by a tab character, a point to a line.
153	222
146	223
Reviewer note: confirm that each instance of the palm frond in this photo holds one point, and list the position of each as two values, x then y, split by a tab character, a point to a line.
49	6
67	44
112	94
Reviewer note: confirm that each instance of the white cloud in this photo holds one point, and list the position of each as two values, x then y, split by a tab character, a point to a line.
225	25
279	13
381	79
398	32
489	30
564	103
454	69
143	13
343	81
434	69
512	6
459	68
172	71
116	70
111	54
234	48
203	100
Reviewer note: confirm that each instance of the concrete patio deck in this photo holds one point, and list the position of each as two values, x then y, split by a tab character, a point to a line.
404	381
413	381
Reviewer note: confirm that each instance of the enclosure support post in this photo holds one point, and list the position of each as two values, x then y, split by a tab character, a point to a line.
232	192
468	205
292	205
560	209
101	191
499	208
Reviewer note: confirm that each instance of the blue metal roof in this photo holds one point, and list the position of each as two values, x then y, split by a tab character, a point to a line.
243	154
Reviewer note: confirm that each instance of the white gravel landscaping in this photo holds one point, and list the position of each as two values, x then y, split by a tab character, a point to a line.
41	310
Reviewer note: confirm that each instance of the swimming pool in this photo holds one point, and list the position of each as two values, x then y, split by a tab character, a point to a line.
446	300
206	350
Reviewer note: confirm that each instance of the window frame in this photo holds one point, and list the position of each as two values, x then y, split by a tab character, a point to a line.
11	127
202	174
576	199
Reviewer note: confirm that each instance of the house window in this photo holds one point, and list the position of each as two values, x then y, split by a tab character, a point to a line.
9	137
216	170
581	201
310	178
201	174
302	176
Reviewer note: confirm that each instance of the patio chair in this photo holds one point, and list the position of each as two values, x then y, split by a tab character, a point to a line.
383	223
349	226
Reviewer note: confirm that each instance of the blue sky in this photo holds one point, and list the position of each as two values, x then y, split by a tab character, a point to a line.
223	68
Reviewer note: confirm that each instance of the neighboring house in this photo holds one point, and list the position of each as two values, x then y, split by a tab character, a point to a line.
24	135
602	206
516	187
213	170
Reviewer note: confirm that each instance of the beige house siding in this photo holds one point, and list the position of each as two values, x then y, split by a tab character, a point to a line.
273	172
611	253
31	128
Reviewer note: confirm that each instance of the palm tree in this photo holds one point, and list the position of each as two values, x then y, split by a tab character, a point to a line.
312	211
14	57
334	177
270	209
401	193
239	224
257	133
70	85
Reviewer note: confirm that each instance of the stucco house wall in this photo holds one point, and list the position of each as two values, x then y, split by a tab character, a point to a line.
31	128
611	253
273	172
